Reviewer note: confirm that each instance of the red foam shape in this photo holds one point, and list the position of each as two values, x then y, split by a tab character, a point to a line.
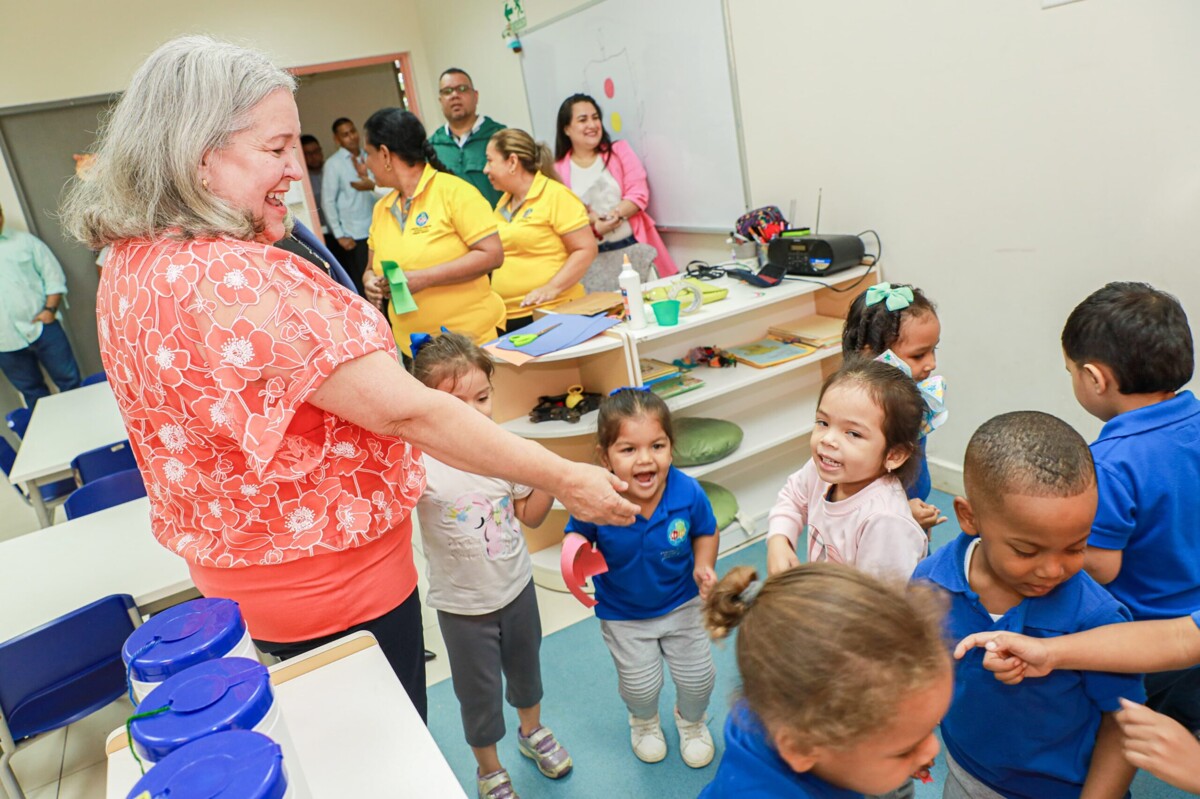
580	560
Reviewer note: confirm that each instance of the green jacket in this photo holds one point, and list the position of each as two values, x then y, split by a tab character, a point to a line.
468	161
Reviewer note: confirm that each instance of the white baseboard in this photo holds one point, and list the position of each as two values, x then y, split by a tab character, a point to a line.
946	476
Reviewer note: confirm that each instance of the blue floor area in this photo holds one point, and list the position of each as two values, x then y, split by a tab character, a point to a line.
582	706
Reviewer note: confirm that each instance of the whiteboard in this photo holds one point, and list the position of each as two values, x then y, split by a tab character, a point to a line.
663	76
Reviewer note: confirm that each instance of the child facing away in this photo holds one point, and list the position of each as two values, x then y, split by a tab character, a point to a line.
1128	348
1017	566
659	569
899	324
850	494
1153	742
844	679
481	581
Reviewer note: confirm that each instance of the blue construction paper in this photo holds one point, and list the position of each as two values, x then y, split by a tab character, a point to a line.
572	329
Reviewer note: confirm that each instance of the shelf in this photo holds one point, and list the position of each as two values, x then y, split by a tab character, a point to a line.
555	429
718	382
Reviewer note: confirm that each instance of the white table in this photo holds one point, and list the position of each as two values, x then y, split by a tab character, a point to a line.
354	729
49	572
64	425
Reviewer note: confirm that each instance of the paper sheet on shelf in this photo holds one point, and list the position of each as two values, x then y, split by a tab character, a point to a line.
569	330
515	357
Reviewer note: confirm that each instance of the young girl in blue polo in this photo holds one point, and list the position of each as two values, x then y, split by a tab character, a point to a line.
899	325
649	600
844	679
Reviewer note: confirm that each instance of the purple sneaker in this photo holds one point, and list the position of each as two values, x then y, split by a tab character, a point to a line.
496	785
543	749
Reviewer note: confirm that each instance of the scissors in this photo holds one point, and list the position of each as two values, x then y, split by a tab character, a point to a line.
525	339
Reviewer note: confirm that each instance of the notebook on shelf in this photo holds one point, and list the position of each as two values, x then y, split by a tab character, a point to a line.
769	352
654	370
817	331
676	385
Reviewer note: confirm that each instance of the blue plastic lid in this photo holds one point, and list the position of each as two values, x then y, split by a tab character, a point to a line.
183	636
221	694
238	764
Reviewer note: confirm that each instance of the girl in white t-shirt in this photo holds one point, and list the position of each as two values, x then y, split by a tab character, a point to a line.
851	494
481	580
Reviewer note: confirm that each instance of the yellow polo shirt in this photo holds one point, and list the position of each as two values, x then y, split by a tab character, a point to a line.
533	245
447	215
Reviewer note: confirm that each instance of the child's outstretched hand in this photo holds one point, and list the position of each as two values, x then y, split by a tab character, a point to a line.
926	515
780	555
1160	745
706	580
1011	656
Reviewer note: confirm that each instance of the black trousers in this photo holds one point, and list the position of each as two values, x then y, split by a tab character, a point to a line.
401	636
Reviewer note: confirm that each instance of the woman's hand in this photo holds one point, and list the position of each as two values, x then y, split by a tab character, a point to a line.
376	287
590	494
540	295
1160	745
780	555
607	223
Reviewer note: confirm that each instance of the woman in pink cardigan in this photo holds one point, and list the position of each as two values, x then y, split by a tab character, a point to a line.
609	178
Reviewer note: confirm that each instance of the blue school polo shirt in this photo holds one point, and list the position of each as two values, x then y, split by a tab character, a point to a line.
1148	477
752	769
650	563
923	485
1033	740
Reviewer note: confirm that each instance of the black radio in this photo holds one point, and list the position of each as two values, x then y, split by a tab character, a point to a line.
815	255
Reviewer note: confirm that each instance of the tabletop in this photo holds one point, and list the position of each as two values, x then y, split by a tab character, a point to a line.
62	426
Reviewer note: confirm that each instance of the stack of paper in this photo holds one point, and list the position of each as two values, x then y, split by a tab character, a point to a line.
817	331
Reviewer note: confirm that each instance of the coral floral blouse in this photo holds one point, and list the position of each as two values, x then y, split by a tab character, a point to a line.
213	347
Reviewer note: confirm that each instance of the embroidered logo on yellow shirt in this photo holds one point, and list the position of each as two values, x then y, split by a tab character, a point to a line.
422	219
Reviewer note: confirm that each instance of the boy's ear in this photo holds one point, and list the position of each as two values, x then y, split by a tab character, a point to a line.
896	457
1097	377
966	516
799	756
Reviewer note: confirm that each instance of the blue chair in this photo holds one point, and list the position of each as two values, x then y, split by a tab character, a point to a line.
52	493
18	421
103	461
62	671
99	377
104	493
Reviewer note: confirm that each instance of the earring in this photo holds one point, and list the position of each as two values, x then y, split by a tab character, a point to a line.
512	170
204	182
387	167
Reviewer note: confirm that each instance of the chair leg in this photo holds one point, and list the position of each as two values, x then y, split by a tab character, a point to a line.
8	779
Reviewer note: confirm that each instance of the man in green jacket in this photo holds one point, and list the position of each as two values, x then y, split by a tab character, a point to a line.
461	143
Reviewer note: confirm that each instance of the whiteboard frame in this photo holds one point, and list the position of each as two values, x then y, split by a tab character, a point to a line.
734	93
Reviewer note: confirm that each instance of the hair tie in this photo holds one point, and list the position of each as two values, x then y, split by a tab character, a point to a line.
617	391
416	341
750	593
893	298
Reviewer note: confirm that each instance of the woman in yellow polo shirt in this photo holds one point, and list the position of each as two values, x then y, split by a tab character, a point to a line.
437	228
548	241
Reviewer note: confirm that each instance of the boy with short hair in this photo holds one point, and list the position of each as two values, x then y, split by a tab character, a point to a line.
1129	350
1030	499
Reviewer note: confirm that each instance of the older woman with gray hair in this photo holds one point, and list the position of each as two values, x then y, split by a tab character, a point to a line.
276	431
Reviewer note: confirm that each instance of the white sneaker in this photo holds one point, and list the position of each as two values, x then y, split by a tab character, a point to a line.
647	738
695	741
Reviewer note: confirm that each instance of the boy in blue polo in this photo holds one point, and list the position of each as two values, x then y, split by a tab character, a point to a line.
1129	350
1017	567
649	600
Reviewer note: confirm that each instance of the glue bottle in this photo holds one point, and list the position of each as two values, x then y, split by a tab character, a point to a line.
631	294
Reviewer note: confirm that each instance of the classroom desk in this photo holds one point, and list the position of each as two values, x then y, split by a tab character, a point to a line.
47	573
353	726
64	425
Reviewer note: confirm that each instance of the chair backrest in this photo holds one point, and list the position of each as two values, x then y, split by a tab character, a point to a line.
105	492
99	377
103	461
18	421
65	669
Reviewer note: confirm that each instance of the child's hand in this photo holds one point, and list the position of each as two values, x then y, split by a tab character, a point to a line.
706	580
1011	656
780	555
926	515
1160	745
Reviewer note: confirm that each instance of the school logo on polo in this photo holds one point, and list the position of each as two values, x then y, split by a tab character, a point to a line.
677	532
422	219
528	213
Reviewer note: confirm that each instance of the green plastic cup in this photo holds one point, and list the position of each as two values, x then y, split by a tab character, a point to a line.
666	312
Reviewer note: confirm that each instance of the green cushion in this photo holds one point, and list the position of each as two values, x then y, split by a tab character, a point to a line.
724	503
699	441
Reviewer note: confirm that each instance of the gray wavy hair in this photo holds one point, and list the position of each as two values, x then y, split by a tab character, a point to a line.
188	98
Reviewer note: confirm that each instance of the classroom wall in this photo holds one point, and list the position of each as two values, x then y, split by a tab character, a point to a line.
354	93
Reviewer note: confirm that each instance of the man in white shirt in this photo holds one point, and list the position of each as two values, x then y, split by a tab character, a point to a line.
347	196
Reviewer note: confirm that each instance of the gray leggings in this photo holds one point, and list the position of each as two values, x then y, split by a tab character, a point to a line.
638	649
480	648
961	785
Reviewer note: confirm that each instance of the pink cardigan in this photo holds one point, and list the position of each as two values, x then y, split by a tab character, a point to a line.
626	168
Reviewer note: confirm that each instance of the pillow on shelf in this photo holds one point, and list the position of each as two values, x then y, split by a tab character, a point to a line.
724	503
699	440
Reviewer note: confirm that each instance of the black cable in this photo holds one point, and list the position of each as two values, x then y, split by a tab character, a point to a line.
702	270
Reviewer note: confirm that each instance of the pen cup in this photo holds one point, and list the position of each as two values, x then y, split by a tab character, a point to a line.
402	298
666	312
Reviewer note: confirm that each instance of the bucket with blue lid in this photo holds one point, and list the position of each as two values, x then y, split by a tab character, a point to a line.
236	764
181	637
212	697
